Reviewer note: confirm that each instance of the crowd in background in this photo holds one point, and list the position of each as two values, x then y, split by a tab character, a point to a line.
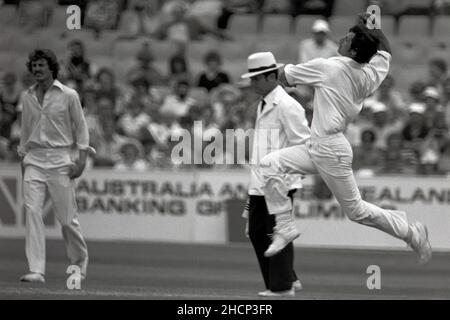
170	20
131	125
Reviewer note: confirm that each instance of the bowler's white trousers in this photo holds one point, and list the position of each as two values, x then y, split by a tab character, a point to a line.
331	157
47	169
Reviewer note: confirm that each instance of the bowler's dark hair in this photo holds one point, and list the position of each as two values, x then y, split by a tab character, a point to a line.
49	56
364	44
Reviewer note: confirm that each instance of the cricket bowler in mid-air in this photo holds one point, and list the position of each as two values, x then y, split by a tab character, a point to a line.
340	86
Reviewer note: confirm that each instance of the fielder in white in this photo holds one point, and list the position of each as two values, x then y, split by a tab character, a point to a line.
52	124
340	86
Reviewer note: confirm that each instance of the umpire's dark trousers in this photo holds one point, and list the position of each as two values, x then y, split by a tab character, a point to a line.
277	271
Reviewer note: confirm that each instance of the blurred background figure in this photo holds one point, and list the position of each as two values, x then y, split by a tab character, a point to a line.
134	119
179	101
144	67
108	145
78	68
131	157
179	68
416	129
432	100
438	74
103	15
213	76
444	160
319	46
9	101
399	158
380	125
179	26
35	14
323	8
231	7
392	98
139	19
368	158
106	86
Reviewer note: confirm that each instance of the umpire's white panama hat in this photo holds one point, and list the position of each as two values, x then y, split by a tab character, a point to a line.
261	62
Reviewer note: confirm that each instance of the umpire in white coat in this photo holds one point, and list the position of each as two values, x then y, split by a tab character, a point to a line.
280	123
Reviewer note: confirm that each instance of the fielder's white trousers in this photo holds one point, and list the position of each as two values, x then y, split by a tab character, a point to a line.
331	157
39	177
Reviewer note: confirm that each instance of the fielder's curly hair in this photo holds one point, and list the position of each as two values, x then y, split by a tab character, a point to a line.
49	56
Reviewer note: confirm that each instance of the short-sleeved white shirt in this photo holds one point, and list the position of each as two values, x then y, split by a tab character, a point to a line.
340	87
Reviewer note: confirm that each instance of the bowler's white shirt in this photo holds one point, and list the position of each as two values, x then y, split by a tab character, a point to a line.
341	85
281	124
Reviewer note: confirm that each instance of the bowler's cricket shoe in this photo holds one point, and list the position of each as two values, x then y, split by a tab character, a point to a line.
420	243
33	277
269	293
281	238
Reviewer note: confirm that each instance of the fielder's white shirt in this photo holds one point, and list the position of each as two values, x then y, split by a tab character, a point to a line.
51	129
282	123
340	87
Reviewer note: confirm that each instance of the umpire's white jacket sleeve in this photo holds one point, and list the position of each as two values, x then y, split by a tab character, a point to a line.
295	123
309	73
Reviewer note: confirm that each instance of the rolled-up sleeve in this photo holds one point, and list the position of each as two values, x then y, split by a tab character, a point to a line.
80	125
309	73
377	70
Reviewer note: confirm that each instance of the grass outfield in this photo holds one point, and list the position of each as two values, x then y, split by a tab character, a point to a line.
128	270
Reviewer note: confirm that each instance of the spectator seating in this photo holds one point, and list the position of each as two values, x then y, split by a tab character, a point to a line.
442	27
129	48
348	7
406	53
304	24
243	24
276	24
231	50
285	48
339	25
412	47
388	25
59	18
416	26
7	15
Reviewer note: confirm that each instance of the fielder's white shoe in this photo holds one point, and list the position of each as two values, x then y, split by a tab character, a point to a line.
420	243
269	293
297	285
33	277
281	238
